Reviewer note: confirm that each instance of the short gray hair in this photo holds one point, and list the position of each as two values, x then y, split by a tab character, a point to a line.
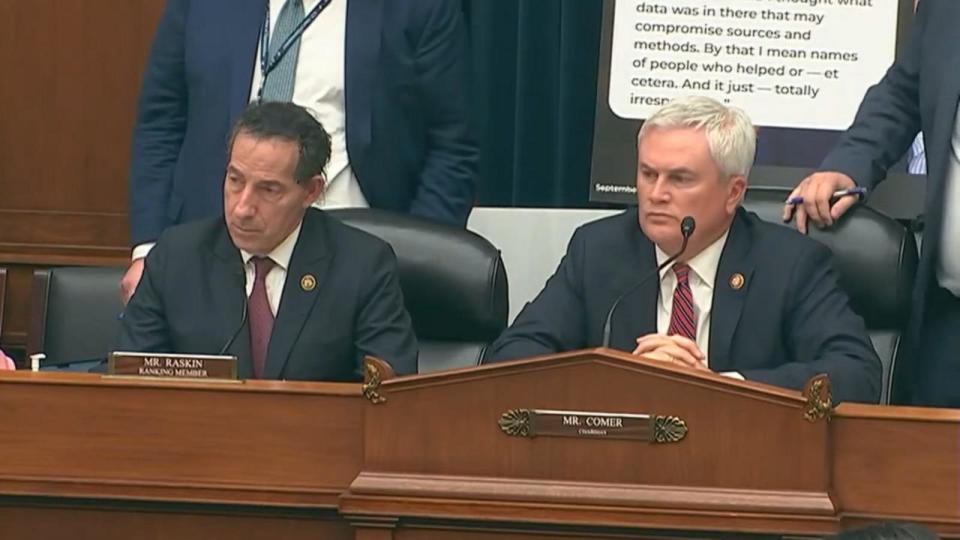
730	134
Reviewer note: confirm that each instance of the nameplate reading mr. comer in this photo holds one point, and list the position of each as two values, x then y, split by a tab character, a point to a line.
592	425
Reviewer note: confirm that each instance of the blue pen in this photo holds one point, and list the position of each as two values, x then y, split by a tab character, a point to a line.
858	191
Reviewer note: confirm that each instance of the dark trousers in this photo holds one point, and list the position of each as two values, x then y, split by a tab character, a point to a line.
938	376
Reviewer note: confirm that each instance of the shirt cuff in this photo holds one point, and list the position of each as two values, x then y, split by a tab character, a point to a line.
733	375
142	250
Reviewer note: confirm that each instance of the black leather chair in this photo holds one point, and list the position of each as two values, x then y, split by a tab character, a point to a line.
876	258
74	315
454	285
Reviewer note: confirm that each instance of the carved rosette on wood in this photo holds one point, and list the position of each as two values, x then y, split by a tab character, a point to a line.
371	382
668	429
819	399
516	423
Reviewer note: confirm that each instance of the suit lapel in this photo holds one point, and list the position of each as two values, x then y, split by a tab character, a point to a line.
727	297
311	257
227	283
362	59
938	146
637	313
242	43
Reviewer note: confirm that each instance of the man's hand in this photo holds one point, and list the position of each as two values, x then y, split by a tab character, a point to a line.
130	280
6	364
816	190
674	349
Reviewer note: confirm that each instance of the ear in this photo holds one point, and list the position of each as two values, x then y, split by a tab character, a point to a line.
314	187
736	190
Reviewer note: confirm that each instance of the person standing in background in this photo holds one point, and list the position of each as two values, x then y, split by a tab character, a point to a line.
389	81
918	93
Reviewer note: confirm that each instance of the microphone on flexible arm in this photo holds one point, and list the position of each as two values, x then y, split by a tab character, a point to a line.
687	226
243	316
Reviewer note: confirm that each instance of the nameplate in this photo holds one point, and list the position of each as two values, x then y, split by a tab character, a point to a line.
172	366
592	425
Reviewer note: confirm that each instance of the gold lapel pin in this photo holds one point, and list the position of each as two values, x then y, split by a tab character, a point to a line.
736	281
308	282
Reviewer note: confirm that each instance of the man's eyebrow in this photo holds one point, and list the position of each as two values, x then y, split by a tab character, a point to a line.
678	170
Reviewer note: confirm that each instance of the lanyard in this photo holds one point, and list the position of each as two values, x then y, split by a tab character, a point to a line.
268	64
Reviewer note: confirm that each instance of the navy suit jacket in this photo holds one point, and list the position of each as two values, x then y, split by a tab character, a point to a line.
919	92
191	300
789	322
407	106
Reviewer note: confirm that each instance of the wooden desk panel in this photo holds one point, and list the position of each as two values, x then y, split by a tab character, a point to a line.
24	520
82	442
901	462
85	456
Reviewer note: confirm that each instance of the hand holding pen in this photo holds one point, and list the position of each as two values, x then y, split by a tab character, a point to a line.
858	191
822	197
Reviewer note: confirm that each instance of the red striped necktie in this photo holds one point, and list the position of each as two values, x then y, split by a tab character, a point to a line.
682	320
261	316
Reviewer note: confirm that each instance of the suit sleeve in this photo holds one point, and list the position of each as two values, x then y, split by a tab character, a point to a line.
144	327
888	118
824	335
555	320
446	189
383	326
160	127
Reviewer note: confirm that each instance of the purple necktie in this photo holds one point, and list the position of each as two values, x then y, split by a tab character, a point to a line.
261	317
682	320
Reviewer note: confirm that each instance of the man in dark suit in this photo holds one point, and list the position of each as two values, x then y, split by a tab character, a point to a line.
746	298
388	80
292	293
919	92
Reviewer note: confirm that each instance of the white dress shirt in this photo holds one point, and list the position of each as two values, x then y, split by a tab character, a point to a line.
278	274
703	274
318	87
948	263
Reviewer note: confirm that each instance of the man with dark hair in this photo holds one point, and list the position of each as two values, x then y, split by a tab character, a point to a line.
291	292
388	80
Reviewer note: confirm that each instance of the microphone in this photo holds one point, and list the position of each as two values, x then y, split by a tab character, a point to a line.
687	226
243	318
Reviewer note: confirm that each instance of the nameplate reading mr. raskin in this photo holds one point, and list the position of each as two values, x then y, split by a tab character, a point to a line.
173	366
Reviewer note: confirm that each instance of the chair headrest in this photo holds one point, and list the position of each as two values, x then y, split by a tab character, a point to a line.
875	255
453	280
80	315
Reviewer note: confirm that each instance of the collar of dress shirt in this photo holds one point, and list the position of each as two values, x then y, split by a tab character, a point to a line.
703	264
277	5
282	253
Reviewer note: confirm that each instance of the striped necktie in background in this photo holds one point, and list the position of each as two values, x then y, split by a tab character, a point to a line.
918	159
279	83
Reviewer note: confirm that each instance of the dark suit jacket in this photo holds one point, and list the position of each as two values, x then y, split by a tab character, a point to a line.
406	94
919	92
191	299
789	321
